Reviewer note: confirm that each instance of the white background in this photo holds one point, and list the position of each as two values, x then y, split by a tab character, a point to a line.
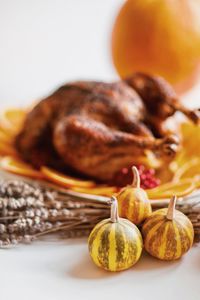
43	44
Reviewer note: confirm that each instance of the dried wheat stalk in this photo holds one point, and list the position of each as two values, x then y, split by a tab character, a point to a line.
28	211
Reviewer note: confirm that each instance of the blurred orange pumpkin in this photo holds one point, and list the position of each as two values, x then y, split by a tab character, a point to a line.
160	37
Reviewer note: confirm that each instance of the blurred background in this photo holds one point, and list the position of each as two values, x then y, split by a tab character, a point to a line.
45	43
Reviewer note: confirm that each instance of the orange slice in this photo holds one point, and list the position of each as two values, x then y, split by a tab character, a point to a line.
197	181
100	190
11	120
9	132
5	138
190	141
189	170
180	189
64	180
14	116
18	167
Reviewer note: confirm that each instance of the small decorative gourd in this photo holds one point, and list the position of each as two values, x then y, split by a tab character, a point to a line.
168	233
115	244
133	201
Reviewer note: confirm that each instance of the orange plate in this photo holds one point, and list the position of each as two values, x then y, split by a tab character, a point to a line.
65	180
98	190
10	122
180	189
16	166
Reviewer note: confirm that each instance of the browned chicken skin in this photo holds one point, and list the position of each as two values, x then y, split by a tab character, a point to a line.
97	128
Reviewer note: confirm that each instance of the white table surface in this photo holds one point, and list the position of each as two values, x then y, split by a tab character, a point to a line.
43	44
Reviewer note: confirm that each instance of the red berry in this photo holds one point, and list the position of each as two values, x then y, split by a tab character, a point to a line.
147	177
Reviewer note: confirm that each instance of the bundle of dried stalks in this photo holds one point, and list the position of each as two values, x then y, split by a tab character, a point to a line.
29	210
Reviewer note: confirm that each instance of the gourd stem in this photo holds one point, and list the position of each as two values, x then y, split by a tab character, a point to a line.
171	208
114	216
136	177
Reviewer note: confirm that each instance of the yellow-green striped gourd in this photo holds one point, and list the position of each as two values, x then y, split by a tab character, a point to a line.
115	244
133	201
168	233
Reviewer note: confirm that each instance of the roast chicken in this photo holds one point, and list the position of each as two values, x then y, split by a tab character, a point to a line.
97	128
